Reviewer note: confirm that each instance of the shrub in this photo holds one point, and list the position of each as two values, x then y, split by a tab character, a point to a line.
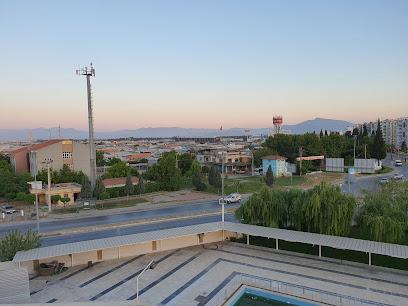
14	241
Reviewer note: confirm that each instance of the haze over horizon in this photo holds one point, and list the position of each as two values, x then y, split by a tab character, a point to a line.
202	65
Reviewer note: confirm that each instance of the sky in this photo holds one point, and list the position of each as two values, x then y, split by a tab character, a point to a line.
202	64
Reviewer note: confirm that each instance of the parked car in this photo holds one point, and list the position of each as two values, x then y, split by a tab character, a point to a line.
384	180
232	198
398	163
398	177
8	209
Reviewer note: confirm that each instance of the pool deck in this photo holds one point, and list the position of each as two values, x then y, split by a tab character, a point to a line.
207	276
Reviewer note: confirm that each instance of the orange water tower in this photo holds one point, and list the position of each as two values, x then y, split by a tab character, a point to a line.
277	124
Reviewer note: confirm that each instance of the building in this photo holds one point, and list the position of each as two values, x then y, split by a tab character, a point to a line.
62	152
64	190
394	131
235	162
277	163
119	182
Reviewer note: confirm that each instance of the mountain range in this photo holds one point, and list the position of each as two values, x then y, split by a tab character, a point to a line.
314	125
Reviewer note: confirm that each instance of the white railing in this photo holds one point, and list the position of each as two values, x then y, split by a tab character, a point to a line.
293	290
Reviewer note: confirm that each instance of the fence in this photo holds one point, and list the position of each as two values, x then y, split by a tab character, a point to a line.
335	164
294	291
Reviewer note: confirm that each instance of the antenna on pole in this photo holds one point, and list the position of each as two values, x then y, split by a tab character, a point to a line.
88	72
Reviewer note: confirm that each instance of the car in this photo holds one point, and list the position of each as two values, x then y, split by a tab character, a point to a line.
384	180
398	163
8	209
398	177
232	198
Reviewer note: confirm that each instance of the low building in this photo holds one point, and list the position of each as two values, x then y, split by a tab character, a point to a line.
64	190
235	161
118	182
277	163
30	158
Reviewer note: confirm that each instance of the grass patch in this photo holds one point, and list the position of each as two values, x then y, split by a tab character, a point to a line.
349	255
384	170
254	184
101	206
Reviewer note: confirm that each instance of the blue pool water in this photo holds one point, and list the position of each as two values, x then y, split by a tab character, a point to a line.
252	296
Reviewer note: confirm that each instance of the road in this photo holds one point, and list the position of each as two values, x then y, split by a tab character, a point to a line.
371	182
55	240
55	225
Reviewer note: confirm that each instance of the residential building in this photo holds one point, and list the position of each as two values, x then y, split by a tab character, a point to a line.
394	131
277	163
64	190
235	162
31	158
119	182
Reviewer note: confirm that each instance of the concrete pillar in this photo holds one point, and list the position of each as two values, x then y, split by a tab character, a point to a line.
369	258
118	252
247	239
72	260
277	244
320	251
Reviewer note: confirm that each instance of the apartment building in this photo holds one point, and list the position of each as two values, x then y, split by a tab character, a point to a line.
394	131
235	162
62	152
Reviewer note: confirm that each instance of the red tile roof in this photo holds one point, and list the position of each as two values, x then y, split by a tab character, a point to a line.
274	157
138	156
37	146
119	181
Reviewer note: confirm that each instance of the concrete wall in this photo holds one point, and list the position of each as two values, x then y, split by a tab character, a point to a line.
80	158
133	250
278	167
53	151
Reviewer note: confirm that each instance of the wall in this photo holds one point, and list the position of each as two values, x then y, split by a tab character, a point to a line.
53	151
133	250
80	156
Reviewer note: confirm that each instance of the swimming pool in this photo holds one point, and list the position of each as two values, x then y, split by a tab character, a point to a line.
248	296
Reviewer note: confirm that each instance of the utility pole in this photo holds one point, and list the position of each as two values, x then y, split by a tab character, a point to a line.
301	156
355	138
48	162
36	197
365	151
88	72
252	166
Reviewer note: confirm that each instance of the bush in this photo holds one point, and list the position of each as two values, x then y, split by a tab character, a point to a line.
25	197
14	241
55	198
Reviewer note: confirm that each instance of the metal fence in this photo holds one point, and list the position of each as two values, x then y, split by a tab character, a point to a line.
280	287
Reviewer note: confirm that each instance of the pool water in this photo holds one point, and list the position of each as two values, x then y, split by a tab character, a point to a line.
255	297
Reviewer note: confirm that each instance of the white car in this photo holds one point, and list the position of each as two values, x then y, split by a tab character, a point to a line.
384	180
8	209
398	163
232	198
398	177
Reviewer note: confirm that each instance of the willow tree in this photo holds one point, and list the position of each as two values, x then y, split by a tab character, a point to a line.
383	216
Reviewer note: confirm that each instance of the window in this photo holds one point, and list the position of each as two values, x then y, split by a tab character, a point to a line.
99	254
66	154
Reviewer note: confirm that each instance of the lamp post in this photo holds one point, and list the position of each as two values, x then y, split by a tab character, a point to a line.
137	281
48	162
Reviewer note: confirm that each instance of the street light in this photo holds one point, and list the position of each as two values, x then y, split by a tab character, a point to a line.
222	187
137	280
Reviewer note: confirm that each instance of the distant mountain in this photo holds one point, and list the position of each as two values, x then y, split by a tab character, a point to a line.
316	125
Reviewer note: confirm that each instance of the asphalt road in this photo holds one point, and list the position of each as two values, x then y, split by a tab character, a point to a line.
371	183
55	240
55	225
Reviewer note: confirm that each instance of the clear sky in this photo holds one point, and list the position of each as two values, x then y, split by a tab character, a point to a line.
202	63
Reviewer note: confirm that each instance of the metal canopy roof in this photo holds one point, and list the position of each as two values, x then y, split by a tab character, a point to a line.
337	242
388	249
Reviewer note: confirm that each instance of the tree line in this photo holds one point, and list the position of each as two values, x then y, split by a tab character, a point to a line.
381	216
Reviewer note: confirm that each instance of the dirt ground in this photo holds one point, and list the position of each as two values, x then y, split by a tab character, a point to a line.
314	179
180	196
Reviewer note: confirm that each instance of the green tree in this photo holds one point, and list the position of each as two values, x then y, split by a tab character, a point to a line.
185	161
211	175
25	197
378	150
404	147
129	188
86	189
55	198
120	169
14	241
383	216
269	177
100	159
141	186
11	183
65	200
165	172
99	188
217	180
196	179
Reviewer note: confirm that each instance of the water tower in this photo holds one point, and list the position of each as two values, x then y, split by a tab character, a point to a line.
277	124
